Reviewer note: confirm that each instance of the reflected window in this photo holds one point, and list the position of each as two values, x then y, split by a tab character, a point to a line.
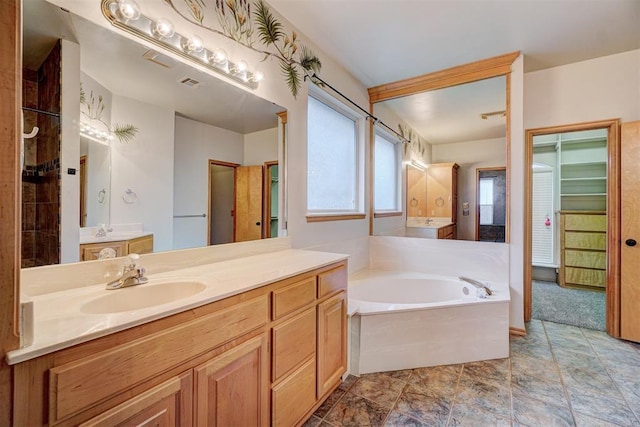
333	146
486	201
387	175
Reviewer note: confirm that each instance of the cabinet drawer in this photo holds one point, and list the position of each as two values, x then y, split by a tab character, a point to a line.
293	342
167	404
588	259
585	222
80	384
332	281
141	245
91	251
290	298
583	276
292	398
582	240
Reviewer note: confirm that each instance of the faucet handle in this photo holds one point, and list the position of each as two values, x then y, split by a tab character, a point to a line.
132	260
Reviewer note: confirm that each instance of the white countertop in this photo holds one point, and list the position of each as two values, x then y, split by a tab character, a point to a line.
114	236
59	321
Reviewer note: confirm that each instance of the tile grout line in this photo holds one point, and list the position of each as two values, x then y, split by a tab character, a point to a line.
455	394
395	402
565	391
615	383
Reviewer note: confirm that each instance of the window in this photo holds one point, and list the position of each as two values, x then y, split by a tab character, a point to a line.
387	176
334	181
486	201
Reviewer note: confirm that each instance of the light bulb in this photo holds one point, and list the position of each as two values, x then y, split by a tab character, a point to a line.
163	28
128	9
257	76
193	44
241	67
219	56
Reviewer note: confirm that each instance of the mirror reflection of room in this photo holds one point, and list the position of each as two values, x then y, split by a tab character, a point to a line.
462	134
149	126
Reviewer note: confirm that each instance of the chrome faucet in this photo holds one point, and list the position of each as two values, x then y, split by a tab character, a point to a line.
428	221
477	284
132	274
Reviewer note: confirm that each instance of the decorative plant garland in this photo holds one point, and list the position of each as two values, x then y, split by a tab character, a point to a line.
415	140
236	20
125	132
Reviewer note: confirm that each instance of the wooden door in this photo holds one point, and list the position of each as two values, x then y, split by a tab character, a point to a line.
332	342
168	404
630	232
248	205
232	389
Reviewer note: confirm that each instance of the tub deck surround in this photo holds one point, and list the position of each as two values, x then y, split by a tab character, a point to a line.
59	320
409	309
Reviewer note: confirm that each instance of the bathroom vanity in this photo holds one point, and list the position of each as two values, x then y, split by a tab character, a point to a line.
263	343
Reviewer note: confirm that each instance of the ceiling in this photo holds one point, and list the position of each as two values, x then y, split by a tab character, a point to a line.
117	64
382	41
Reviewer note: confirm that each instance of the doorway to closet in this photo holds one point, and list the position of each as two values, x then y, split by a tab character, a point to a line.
571	217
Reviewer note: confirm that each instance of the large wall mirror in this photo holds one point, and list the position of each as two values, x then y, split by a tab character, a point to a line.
455	178
161	146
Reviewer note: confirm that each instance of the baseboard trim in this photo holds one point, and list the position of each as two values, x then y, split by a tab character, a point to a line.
519	332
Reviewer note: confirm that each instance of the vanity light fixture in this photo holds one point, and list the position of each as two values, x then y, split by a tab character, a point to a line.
418	164
128	9
94	134
126	15
193	44
163	28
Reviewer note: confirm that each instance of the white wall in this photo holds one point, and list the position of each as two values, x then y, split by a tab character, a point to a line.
195	144
470	155
70	152
260	147
144	165
597	89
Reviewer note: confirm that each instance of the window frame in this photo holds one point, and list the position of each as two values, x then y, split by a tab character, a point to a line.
319	215
388	137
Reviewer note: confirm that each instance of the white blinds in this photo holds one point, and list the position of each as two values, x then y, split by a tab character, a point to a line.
542	251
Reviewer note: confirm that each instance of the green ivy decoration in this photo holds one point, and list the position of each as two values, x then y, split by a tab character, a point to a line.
236	20
124	132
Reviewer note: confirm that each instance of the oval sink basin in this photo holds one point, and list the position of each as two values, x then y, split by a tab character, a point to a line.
141	296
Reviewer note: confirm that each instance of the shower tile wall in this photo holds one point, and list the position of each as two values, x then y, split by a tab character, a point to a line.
41	193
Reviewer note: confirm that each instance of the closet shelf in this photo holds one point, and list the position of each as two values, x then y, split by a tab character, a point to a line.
582	194
580	164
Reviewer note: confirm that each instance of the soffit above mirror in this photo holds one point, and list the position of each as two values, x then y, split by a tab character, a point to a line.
453	114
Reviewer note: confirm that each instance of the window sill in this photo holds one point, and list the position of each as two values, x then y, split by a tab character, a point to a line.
334	217
386	214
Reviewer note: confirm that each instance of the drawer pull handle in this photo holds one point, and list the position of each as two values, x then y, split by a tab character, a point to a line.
630	242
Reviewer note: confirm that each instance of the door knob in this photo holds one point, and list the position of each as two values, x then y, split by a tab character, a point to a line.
258	223
630	242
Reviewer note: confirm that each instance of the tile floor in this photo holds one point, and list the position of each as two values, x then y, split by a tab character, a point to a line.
558	375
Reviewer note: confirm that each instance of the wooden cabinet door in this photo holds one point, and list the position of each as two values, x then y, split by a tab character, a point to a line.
167	404
248	205
232	389
91	251
630	232
332	342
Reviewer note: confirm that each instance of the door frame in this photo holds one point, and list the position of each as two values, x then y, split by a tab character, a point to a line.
210	163
612	291
478	170
266	197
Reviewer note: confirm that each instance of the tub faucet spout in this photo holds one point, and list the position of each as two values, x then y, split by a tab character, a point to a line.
477	284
